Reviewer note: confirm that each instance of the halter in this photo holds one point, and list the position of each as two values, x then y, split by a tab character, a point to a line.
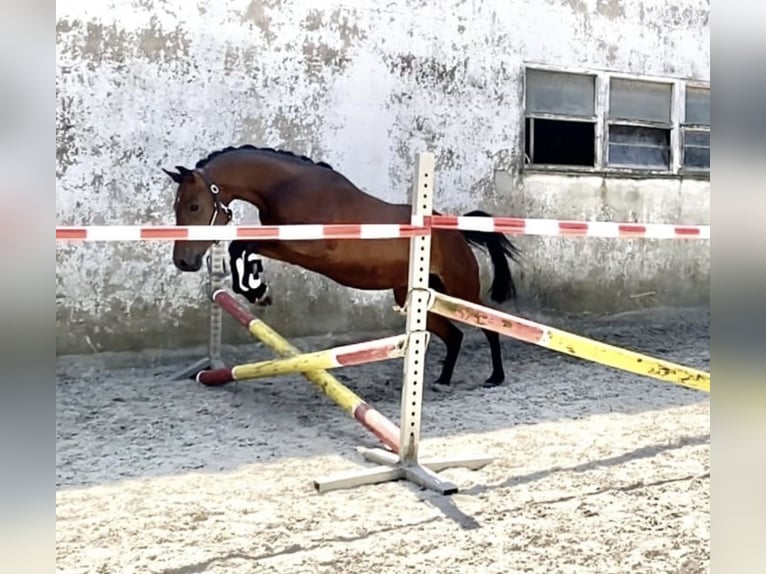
215	191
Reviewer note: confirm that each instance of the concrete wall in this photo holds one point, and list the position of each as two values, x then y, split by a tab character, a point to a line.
150	84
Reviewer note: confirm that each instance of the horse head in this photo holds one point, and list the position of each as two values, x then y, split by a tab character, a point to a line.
197	202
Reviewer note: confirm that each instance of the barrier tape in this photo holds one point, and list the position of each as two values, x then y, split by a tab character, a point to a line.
555	227
230	233
417	226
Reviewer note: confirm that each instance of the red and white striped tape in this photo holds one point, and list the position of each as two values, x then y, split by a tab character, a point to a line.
555	227
418	226
231	232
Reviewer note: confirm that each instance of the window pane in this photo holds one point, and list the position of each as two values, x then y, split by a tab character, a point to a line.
639	135
625	155
697	139
698	106
560	93
631	146
697	157
636	100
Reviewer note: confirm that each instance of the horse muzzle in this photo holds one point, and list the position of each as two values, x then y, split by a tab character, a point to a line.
189	262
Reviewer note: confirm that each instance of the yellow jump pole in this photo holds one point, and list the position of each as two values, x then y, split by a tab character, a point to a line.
345	398
345	356
568	343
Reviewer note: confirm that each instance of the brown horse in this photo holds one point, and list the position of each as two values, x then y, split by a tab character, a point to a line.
290	189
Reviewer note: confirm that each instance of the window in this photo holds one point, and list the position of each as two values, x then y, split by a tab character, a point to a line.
639	124
587	121
696	129
560	119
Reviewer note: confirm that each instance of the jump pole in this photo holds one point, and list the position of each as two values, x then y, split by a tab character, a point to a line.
568	343
345	356
405	465
386	431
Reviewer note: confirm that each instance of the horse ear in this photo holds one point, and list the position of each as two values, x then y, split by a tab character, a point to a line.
185	172
176	177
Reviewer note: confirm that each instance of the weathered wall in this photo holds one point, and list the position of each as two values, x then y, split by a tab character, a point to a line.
602	274
151	83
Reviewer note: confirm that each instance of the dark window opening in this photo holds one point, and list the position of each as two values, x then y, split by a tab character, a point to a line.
560	142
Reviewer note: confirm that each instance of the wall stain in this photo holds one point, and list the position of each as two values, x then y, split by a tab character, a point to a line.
577	6
328	41
672	17
241	59
610	50
319	57
257	14
313	20
101	43
448	76
67	149
612	9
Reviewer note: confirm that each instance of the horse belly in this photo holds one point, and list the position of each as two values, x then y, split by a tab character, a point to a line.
361	264
369	264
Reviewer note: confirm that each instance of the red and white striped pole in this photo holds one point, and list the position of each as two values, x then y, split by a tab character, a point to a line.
345	356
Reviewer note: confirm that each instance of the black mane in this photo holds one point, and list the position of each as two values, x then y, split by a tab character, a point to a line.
215	154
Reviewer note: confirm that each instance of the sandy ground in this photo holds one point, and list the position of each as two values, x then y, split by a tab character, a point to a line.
596	470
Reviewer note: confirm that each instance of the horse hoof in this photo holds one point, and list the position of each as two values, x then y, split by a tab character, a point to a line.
441	389
441	386
491	383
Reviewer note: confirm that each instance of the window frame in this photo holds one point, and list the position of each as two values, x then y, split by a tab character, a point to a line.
677	126
653	124
595	119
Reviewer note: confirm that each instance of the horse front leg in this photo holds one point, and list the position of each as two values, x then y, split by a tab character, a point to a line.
247	273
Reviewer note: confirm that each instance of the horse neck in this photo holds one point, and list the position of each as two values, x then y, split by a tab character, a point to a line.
252	178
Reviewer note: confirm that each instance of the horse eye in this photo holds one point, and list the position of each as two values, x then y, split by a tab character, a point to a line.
194	207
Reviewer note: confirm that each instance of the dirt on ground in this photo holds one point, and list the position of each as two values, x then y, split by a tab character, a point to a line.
596	470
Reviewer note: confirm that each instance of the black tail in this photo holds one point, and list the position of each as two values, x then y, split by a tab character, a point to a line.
499	247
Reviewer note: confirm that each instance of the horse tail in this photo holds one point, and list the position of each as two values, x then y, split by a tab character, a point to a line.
500	249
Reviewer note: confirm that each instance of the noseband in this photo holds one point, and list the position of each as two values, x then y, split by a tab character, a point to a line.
215	192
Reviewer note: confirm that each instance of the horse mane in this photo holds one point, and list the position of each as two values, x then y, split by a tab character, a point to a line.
204	161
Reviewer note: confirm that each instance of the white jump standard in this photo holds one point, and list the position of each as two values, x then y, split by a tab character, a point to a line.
406	465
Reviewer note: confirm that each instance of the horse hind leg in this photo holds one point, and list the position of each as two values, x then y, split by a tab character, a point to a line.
442	328
467	286
453	339
498	372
